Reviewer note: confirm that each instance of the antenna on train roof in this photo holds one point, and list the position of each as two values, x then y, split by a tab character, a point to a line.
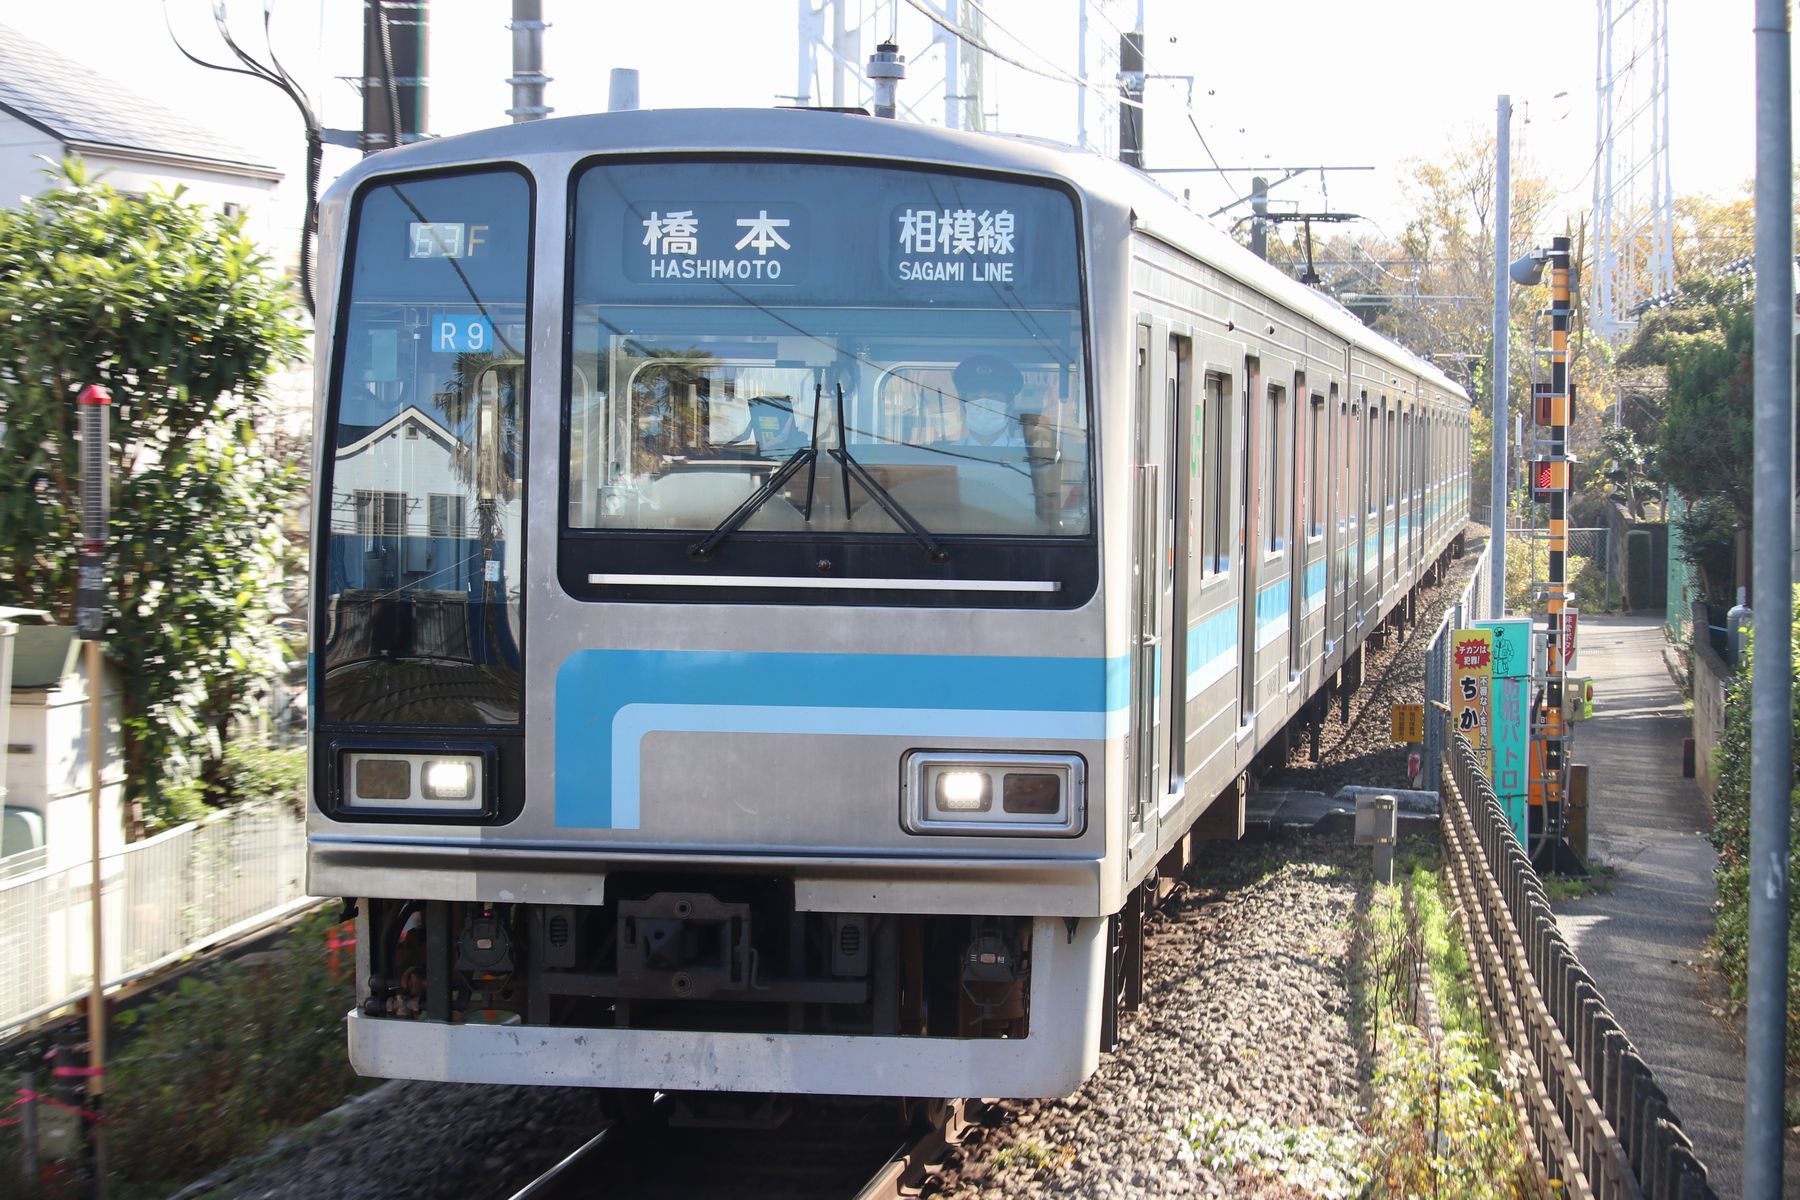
887	67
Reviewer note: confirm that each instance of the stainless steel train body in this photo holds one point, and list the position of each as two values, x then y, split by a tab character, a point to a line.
708	695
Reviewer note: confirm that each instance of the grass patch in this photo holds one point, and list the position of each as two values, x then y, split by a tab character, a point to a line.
1439	1120
1033	1155
1330	1164
1597	882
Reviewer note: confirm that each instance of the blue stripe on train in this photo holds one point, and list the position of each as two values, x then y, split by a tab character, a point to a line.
608	700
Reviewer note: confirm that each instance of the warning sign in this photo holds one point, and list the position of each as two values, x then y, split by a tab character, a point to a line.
1408	723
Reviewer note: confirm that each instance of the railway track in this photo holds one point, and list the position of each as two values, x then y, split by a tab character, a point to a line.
831	1148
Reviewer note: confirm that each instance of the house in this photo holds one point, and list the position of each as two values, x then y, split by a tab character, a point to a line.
46	763
52	107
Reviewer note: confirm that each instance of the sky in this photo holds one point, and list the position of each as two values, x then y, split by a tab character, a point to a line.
1275	84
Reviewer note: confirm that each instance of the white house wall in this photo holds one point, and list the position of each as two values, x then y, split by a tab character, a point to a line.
23	149
212	189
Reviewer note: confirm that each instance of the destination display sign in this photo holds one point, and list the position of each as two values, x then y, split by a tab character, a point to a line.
821	234
751	242
958	245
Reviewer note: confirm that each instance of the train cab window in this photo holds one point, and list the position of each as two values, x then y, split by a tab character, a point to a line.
1218	459
423	488
874	341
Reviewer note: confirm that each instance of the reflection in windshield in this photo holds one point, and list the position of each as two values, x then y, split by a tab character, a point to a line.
686	436
421	573
702	330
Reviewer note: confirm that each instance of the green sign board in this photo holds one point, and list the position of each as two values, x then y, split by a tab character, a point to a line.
1510	731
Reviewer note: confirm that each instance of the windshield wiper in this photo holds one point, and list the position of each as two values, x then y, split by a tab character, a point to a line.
806	456
881	496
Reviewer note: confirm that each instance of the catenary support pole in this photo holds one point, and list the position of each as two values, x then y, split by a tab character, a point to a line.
1771	592
528	79
1502	338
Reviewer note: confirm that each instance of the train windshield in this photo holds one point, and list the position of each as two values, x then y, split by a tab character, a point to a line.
919	332
420	601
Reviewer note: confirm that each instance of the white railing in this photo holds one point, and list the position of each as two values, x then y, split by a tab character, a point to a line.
162	899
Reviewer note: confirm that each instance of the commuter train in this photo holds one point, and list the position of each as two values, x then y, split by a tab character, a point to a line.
788	584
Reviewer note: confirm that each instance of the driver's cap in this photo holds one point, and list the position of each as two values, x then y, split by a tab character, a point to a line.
988	374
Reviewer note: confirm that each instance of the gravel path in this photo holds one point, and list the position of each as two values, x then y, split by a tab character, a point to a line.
1248	1020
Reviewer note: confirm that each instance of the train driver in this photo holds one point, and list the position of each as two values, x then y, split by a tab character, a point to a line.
988	388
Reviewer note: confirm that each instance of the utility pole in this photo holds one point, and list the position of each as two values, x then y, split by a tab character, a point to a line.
1502	344
528	78
1259	220
394	72
1081	73
1771	584
1131	98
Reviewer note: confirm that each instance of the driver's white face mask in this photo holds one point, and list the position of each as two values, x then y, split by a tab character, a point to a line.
986	417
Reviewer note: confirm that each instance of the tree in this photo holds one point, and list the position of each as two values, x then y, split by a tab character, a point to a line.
179	314
1702	341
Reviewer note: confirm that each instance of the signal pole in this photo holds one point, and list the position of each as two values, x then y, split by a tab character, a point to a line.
1551	481
94	403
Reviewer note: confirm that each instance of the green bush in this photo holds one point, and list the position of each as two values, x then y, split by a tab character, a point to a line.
210	1071
249	774
1731	835
256	775
1528	562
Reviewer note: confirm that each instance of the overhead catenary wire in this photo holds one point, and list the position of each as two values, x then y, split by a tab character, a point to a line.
280	78
1059	75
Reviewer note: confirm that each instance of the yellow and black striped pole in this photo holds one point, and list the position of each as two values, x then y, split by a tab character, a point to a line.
1552	480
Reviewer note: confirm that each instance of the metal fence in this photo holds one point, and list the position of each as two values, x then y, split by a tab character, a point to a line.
1595	1117
162	899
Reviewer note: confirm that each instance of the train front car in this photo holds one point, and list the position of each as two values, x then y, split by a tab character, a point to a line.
711	683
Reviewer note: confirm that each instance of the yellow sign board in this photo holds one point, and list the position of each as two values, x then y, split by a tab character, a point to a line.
1471	677
1408	723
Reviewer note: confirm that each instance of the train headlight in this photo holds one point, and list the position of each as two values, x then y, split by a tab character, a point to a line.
962	792
413	783
450	778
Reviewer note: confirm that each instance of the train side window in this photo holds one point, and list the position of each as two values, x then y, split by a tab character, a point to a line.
1343	457
1389	452
1371	435
1316	475
1278	452
1216	481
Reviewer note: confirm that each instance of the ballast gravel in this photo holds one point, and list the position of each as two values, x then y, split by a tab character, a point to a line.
1249	1020
1249	1015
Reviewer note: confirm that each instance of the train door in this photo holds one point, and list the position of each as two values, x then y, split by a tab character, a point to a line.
1177	546
1340	515
1297	492
1148	741
1249	500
